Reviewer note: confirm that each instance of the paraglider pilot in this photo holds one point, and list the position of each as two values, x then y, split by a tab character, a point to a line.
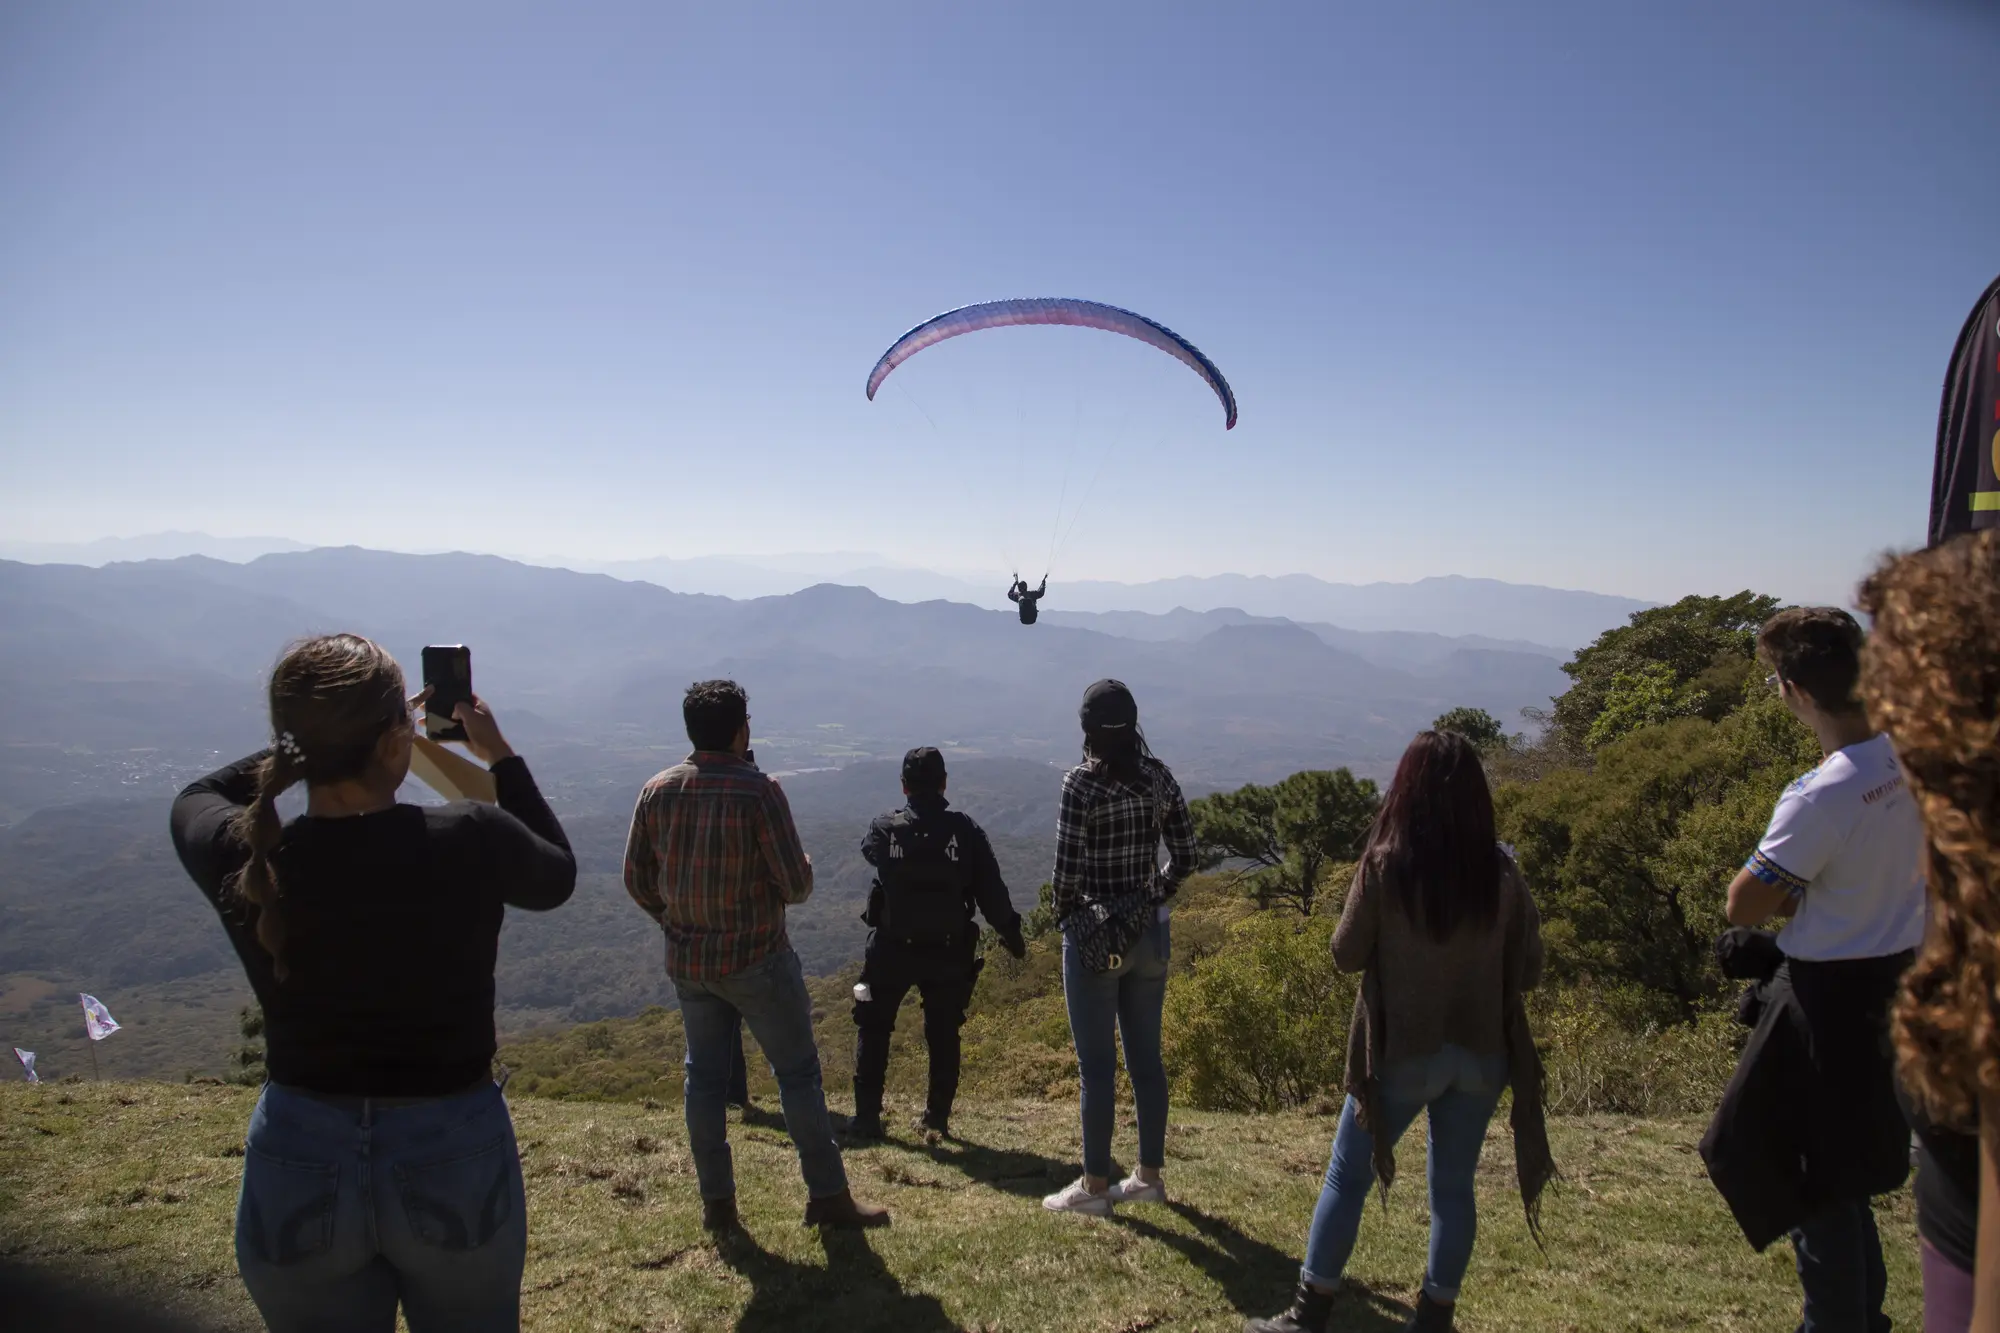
1020	593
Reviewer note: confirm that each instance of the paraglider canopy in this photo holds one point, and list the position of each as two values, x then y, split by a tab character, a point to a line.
1054	310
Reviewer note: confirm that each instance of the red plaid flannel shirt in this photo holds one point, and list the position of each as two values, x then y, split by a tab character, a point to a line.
714	858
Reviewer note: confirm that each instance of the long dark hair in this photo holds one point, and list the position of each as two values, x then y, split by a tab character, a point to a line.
332	698
1119	751
1434	837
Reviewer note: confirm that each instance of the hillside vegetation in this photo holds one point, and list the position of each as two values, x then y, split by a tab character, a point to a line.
134	1186
1629	814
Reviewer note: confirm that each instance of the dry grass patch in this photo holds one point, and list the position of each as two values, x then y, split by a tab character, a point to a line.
135	1184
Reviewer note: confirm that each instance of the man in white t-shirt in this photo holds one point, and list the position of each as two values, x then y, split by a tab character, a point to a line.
1843	858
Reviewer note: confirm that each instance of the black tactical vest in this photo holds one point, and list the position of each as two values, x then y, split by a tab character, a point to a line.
924	873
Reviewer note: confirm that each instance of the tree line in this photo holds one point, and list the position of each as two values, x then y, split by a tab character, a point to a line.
1642	789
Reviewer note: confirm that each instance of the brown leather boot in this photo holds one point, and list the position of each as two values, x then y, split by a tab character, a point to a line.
844	1211
719	1215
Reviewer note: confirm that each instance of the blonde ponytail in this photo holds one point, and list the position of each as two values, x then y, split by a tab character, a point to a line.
258	828
332	697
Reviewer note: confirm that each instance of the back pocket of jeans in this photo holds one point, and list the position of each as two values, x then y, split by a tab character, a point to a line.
287	1207
460	1203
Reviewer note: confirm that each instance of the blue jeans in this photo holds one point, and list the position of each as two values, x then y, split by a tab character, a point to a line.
347	1210
770	995
1840	1267
1103	1008
1460	1089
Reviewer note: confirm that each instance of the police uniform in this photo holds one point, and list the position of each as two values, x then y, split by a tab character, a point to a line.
933	867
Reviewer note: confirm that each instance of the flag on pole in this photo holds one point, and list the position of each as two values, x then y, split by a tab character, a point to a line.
1965	479
27	1059
97	1020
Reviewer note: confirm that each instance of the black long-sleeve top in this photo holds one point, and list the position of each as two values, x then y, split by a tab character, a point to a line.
392	926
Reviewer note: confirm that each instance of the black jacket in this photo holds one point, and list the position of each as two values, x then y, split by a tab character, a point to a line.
1022	595
1810	1118
928	837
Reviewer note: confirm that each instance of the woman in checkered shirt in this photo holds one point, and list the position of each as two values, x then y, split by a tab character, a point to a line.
1118	806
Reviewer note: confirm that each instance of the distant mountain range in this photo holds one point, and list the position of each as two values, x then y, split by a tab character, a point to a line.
1449	606
119	682
109	674
152	546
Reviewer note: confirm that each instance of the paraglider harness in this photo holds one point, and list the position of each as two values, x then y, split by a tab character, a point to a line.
1018	592
920	890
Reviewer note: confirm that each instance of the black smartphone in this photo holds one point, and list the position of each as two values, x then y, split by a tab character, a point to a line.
448	676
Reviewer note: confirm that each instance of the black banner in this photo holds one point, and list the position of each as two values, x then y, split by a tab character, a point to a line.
1965	482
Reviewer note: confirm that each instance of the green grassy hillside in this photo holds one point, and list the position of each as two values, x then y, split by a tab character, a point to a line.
133	1185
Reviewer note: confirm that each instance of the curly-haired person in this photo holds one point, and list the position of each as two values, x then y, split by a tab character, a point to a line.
1931	680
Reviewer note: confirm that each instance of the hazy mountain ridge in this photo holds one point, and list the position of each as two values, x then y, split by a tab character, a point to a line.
1450	605
119	683
835	673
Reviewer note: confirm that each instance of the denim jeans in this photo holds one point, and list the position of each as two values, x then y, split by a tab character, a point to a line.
1840	1267
1460	1089
347	1210
769	995
1104	1008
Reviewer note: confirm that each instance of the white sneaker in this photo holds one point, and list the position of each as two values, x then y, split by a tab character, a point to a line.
1077	1199
1134	1190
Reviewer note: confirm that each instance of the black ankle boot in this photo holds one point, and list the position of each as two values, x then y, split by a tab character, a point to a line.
1430	1317
1309	1313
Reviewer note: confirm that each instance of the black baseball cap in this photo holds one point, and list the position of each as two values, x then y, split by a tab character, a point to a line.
1108	705
923	769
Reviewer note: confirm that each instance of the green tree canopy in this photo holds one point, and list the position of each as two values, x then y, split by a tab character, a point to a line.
1629	858
1287	833
1695	658
1476	725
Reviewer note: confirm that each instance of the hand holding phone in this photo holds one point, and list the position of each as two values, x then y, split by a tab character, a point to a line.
448	681
482	733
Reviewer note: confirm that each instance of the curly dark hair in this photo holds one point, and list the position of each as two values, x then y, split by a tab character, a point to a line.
714	711
1931	679
1818	650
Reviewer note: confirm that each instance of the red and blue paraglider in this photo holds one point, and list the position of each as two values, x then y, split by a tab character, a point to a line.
1062	311
1054	310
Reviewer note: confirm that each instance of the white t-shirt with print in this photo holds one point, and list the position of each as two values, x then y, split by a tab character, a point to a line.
1848	839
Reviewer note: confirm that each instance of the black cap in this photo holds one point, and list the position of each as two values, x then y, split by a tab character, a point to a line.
923	769
1108	705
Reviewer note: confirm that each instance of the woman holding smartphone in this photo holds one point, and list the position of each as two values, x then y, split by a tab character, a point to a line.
380	1167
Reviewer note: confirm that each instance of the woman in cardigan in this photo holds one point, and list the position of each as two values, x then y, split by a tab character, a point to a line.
1442	927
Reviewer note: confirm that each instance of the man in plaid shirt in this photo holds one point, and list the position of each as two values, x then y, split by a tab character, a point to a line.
714	858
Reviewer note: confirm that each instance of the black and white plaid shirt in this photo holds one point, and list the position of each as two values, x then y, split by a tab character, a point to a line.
1108	836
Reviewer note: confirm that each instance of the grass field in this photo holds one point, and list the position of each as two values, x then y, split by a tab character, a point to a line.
134	1185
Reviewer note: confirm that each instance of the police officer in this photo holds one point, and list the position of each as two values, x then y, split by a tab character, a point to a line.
933	866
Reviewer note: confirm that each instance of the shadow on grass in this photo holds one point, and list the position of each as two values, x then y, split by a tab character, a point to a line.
1258	1279
1026	1175
761	1117
855	1291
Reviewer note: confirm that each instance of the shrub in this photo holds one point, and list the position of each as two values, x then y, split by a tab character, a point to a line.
1598	1061
1261	1023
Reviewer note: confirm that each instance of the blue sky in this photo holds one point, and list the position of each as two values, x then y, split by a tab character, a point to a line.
1640	298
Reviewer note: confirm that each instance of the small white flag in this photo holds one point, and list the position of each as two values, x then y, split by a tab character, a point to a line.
97	1019
27	1059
